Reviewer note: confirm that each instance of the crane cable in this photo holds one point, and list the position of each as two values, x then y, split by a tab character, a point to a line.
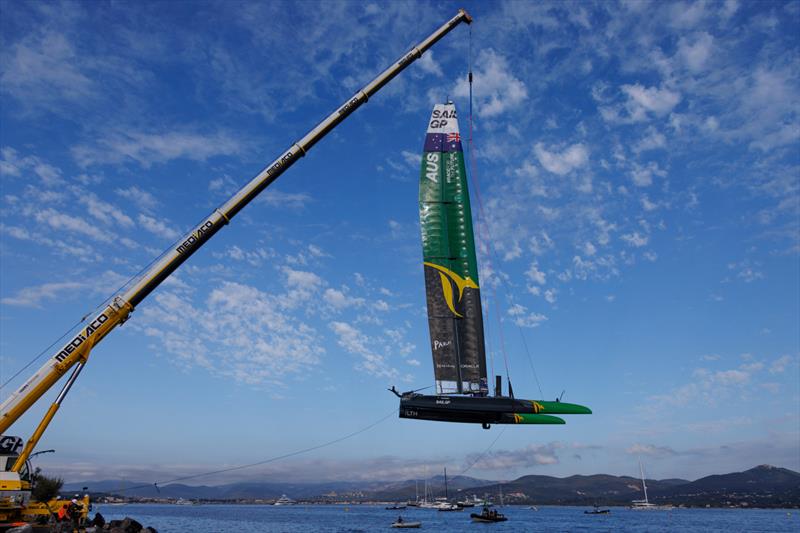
271	459
484	452
484	227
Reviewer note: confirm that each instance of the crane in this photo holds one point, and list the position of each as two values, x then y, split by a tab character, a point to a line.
14	467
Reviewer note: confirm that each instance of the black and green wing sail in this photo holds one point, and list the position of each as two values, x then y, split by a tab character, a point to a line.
451	268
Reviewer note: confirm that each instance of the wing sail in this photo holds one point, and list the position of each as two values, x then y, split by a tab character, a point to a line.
451	269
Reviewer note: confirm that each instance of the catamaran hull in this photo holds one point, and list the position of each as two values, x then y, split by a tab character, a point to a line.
485	410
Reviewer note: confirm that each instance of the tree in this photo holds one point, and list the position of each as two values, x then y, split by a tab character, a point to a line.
45	488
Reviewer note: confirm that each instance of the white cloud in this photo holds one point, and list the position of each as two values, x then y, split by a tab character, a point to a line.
34	296
76	249
650	450
536	275
138	197
357	343
709	386
653	140
103	211
412	159
340	300
563	162
301	286
635	239
150	148
746	271
157	227
239	332
45	67
642	176
686	14
429	65
647	205
649	100
529	456
69	223
550	296
525	319
496	89
287	200
729	9
695	54
781	364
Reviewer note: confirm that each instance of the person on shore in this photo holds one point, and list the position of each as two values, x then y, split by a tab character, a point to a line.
63	513
75	513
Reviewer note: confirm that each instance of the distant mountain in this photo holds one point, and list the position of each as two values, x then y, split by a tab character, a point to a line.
233	491
763	483
411	488
763	486
581	490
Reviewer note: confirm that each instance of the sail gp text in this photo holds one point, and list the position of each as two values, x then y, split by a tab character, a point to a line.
439	118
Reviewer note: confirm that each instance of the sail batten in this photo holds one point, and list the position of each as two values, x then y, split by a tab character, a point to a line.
450	263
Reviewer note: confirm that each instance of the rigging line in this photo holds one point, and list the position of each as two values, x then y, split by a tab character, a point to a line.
483	226
21	370
271	459
484	452
502	338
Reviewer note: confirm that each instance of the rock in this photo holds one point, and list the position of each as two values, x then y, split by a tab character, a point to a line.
128	525
149	530
98	520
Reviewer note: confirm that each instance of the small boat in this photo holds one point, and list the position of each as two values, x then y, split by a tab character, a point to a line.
597	510
396	508
488	515
533	508
474	501
284	500
402	524
449	507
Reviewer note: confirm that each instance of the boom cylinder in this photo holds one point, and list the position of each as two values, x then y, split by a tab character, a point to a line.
19	401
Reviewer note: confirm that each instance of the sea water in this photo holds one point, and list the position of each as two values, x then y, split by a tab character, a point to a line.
367	518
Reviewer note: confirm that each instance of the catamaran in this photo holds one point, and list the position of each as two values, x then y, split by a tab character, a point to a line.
455	319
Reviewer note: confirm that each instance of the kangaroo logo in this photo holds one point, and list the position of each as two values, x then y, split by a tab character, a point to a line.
447	276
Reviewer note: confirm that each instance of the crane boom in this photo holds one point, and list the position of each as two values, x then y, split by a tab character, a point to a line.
76	351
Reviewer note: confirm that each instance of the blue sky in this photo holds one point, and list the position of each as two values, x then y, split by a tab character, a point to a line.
638	170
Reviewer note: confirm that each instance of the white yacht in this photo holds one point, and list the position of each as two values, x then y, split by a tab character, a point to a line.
285	500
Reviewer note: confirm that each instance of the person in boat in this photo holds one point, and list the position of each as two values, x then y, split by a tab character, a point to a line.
399	520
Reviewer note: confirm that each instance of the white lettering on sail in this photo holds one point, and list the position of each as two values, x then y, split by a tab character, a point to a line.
441	344
432	166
